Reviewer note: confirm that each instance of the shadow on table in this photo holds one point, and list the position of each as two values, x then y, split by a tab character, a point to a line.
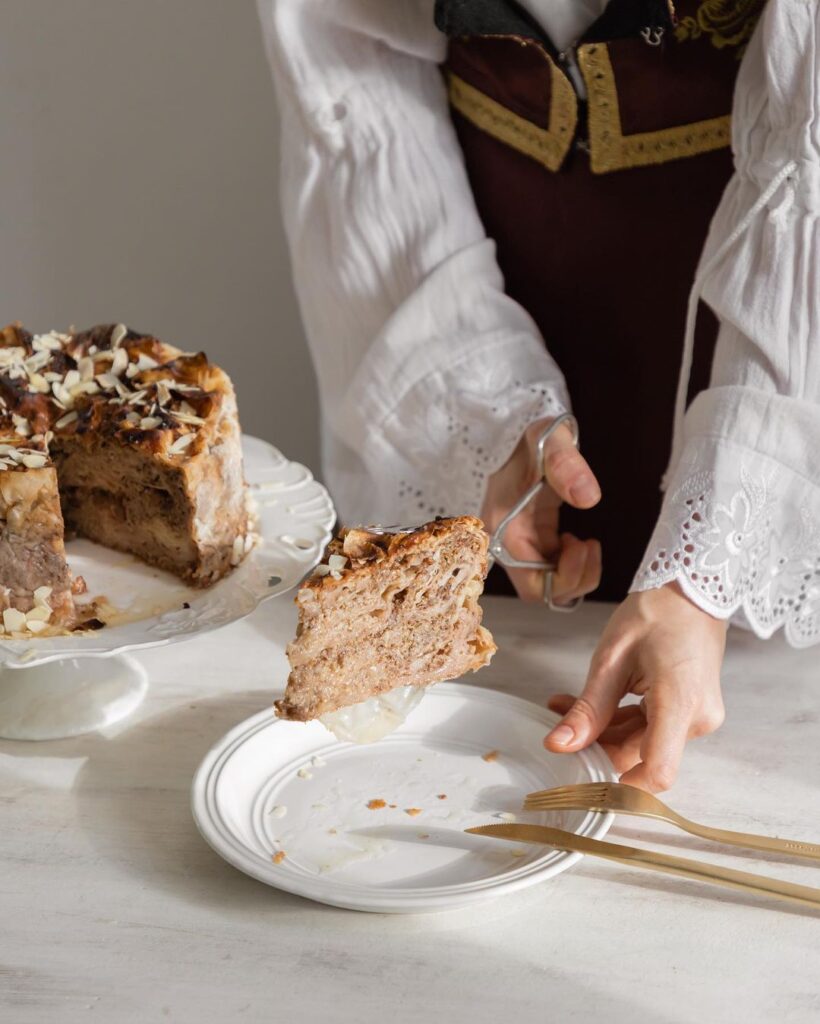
133	802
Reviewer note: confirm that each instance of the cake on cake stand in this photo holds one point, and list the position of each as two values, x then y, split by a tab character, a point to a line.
61	686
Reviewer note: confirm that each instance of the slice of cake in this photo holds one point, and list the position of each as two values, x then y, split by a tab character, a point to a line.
126	440
34	577
388	610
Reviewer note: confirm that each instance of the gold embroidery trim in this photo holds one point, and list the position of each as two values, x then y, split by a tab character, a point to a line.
611	150
548	146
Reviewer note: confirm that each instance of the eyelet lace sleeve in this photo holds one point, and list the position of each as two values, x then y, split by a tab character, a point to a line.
740	533
740	524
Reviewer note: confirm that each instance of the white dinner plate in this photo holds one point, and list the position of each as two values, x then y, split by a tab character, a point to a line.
274	787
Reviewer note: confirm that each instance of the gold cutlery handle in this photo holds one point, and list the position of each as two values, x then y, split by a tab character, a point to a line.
750	840
654	861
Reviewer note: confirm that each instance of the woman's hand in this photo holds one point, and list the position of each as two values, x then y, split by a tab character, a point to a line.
534	534
660	645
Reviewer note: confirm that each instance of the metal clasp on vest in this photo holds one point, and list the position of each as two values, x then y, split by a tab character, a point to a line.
500	554
652	35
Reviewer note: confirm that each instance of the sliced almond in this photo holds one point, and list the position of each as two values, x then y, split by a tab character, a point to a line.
66	420
145	362
194	421
181	443
238	550
34	461
42	594
118	335
119	362
107	381
71	379
150	422
13	620
35	625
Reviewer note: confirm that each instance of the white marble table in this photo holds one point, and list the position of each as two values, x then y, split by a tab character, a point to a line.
113	909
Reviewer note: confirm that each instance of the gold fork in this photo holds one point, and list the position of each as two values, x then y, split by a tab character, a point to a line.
622	799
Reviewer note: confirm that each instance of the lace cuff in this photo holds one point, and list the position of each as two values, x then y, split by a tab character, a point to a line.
433	453
740	527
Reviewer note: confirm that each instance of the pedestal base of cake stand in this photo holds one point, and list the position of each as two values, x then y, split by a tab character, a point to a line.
69	697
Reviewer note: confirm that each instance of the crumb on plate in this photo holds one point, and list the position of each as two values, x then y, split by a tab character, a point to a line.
412	811
278	857
491	755
442	796
376	805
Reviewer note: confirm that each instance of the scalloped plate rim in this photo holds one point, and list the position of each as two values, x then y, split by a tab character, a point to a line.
78	646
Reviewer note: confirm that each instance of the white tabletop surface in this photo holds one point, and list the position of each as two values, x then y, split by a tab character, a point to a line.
113	909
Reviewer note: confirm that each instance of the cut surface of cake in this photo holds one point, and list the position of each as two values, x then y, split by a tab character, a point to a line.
125	440
388	610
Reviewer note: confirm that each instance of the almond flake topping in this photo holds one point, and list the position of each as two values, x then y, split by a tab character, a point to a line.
21	425
118	335
107	381
238	550
64	421
150	422
181	443
86	368
184	417
13	620
120	362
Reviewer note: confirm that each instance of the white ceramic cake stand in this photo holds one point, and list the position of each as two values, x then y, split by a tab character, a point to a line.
61	686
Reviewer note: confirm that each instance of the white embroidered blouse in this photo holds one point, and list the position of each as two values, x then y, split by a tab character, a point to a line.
404	304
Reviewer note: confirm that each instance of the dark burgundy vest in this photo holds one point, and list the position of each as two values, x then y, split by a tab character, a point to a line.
599	209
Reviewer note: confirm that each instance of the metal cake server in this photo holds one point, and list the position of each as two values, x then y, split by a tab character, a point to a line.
498	551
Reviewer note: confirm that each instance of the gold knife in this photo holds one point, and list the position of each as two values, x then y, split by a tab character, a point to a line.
653	861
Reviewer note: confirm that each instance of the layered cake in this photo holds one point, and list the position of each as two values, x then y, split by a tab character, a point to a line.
125	440
388	610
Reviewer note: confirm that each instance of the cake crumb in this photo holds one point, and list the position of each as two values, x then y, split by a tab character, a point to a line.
376	805
442	796
278	857
424	835
412	811
331	831
491	755
279	811
506	816
303	773
393	805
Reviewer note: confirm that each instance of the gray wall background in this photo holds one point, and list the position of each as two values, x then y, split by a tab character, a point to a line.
138	182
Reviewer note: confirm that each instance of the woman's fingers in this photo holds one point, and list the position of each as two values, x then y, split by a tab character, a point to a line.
592	711
579	569
626	753
568	472
667	730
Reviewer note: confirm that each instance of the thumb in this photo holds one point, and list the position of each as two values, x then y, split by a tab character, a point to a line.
589	715
568	472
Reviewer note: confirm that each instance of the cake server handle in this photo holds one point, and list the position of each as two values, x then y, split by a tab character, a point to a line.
498	551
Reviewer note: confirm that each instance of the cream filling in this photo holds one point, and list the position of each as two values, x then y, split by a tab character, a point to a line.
374	718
